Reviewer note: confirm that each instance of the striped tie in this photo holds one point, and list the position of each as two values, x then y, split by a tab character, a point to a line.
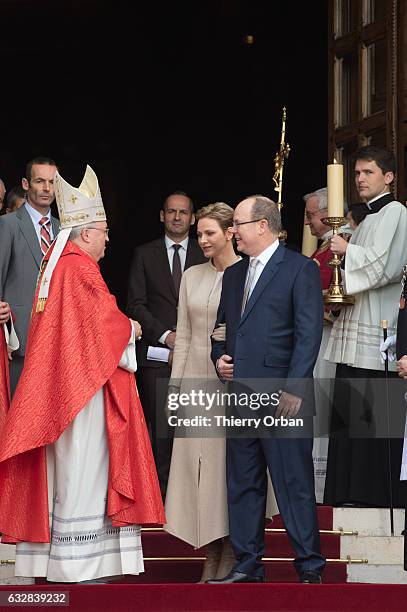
249	281
45	234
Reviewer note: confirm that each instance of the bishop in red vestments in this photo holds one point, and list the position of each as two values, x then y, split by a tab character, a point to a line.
77	475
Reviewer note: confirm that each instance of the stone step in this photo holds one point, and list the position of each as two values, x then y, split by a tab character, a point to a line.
377	574
7	551
368	521
373	542
378	550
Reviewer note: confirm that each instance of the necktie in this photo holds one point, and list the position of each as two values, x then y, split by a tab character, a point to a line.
176	267
45	234
249	282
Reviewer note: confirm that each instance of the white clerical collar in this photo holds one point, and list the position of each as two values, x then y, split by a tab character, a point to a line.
35	215
368	204
267	253
169	243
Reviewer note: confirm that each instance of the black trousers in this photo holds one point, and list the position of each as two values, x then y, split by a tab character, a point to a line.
152	384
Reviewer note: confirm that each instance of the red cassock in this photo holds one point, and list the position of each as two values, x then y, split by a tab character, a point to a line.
4	379
74	348
322	257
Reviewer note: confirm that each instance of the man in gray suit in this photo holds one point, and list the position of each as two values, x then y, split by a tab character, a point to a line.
25	236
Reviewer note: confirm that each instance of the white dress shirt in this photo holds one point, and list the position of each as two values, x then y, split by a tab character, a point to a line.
182	251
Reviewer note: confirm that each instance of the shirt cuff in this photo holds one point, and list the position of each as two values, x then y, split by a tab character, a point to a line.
163	338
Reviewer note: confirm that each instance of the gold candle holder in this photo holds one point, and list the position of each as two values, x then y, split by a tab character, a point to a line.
335	293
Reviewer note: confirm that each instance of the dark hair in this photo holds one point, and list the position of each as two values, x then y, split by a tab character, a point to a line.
179	193
383	157
41	161
13	194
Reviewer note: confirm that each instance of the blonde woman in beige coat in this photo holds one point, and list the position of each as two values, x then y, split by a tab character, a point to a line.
196	503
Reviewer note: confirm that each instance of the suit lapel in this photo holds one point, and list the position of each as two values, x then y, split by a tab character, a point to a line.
55	226
164	266
190	256
28	231
265	277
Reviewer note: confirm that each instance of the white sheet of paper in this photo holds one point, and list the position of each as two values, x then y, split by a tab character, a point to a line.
128	360
156	353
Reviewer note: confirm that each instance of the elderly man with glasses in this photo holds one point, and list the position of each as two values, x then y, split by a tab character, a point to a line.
74	447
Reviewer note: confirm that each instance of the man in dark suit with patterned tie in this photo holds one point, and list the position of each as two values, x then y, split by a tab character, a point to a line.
154	281
25	236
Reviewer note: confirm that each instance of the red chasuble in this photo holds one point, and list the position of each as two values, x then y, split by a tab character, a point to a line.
4	379
74	347
322	257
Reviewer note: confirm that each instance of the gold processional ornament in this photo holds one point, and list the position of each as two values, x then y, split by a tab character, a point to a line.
279	159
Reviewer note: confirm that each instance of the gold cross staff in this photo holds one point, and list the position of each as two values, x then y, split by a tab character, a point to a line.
280	157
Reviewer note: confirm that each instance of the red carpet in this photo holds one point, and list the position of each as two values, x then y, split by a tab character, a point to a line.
325	518
171	566
239	597
190	571
157	545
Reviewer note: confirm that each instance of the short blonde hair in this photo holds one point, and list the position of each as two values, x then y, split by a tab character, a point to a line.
221	212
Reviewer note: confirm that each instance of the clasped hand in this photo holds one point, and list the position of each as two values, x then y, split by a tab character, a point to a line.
225	366
338	245
5	312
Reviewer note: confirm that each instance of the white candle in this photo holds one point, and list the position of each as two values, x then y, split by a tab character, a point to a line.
335	190
309	242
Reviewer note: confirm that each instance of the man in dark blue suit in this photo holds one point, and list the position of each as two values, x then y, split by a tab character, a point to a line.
272	306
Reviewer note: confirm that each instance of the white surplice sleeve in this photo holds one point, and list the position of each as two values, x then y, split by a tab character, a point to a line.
128	360
378	263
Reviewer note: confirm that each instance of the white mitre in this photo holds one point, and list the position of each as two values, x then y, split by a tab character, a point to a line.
77	206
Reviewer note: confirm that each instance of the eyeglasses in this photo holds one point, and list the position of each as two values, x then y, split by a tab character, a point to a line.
311	215
99	229
234	224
